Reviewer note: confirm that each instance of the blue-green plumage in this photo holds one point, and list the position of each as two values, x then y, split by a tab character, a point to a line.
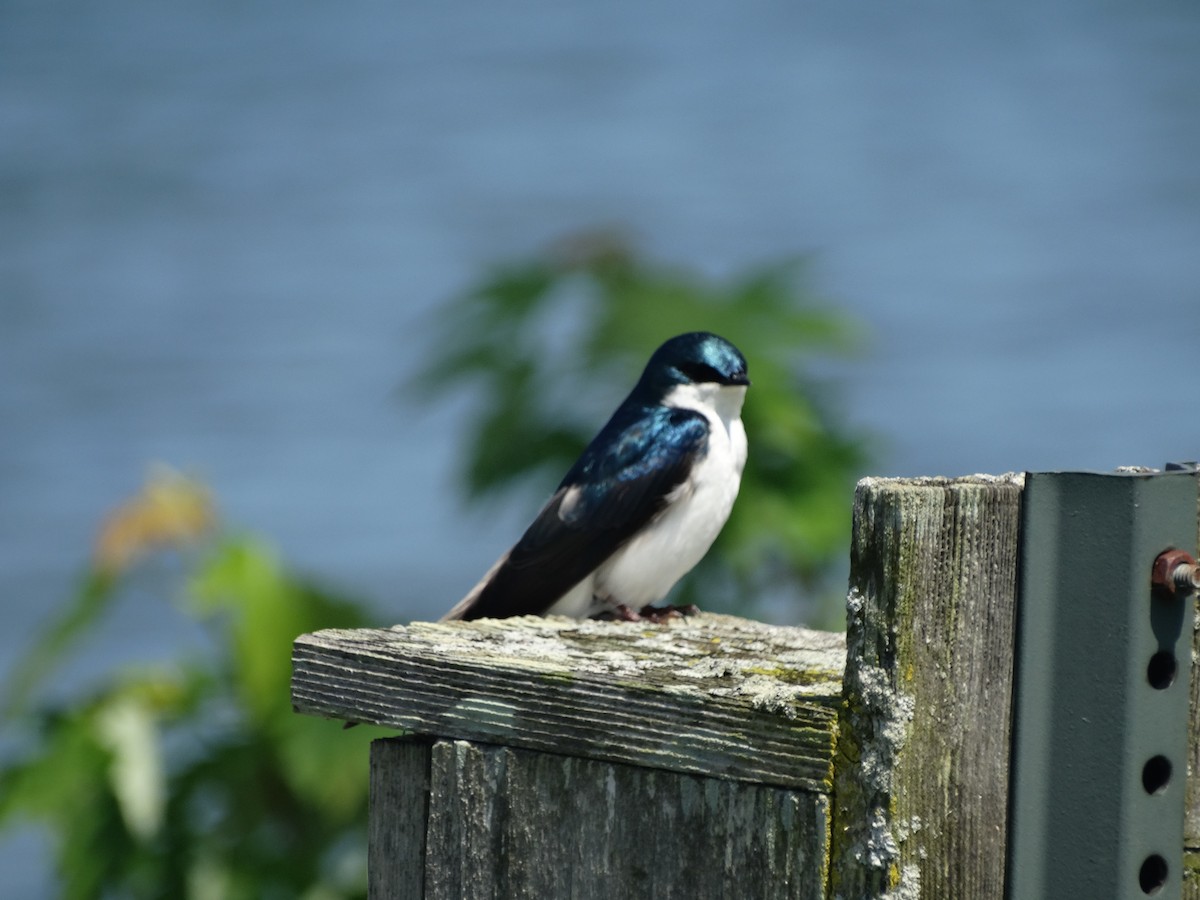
642	503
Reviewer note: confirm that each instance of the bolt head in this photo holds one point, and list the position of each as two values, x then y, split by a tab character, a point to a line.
1162	576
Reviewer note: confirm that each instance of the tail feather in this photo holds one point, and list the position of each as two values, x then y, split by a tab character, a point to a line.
463	608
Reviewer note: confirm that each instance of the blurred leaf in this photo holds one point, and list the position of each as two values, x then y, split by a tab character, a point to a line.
127	729
262	609
169	510
194	779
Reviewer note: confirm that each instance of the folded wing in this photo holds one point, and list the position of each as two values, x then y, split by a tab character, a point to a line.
620	483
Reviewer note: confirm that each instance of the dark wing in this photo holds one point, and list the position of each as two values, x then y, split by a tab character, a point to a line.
619	484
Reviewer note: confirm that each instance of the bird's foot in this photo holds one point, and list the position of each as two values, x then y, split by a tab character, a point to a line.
655	614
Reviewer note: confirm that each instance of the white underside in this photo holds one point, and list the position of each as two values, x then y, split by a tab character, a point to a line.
645	569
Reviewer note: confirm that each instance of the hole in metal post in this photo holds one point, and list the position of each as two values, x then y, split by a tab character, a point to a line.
1161	670
1156	774
1153	874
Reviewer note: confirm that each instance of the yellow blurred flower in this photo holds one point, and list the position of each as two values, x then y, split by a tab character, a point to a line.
171	509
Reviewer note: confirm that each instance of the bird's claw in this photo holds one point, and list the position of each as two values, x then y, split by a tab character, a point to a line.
655	614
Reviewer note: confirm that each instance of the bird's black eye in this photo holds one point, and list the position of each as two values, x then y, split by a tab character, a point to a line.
701	373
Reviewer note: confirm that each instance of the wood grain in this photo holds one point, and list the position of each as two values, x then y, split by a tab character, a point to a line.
922	780
399	811
709	695
506	824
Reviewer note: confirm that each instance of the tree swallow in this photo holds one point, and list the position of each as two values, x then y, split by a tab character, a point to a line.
644	502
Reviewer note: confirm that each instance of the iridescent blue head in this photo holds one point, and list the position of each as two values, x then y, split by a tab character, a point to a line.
698	358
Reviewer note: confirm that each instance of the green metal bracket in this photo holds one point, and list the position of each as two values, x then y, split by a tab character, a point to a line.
1101	697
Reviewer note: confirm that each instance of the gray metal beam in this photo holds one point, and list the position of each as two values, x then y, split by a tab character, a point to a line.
1101	698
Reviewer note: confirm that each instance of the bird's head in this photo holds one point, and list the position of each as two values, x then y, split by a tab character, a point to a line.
697	367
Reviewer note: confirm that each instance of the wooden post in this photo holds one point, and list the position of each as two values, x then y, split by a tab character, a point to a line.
922	774
501	822
715	757
590	759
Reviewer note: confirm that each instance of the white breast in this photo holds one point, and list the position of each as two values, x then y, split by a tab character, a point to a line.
645	569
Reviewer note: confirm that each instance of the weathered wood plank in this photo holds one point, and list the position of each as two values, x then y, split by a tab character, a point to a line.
507	823
399	808
922	780
711	695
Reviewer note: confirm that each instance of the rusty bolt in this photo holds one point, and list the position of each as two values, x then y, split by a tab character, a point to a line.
1175	573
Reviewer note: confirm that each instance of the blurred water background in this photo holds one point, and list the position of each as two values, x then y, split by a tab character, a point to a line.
224	229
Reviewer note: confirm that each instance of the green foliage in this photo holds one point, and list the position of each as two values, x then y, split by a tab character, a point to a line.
194	779
535	340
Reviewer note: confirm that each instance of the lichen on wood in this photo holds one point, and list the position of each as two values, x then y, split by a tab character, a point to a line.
922	772
709	694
